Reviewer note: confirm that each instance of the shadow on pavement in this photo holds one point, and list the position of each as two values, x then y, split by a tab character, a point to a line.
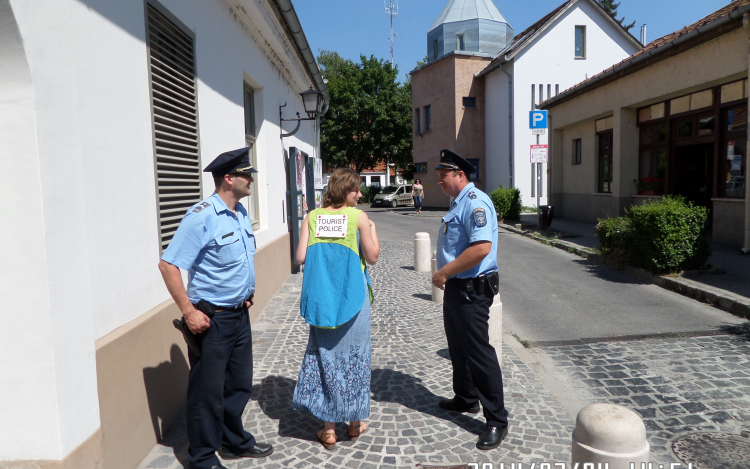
609	274
422	296
443	353
741	331
408	391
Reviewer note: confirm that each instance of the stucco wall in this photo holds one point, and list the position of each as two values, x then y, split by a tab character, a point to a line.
85	239
550	59
718	61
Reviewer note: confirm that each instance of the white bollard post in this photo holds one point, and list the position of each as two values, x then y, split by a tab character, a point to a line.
612	434
437	294
422	252
496	327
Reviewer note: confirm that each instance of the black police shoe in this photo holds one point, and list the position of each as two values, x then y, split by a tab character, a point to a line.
458	405
260	450
491	437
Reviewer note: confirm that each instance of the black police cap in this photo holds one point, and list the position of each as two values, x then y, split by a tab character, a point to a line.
450	160
231	162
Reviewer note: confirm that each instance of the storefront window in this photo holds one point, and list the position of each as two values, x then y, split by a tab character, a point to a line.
733	153
685	129
706	125
605	162
652	161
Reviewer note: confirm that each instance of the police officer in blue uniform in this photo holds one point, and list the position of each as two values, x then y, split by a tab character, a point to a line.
216	245
467	271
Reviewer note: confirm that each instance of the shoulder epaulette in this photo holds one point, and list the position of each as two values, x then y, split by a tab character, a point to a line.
201	206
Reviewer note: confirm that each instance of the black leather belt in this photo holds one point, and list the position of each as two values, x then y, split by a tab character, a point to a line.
485	282
239	307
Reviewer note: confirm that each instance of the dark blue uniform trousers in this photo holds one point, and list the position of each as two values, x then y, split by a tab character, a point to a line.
476	371
219	387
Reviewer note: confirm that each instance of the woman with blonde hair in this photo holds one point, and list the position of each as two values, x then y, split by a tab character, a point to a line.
336	243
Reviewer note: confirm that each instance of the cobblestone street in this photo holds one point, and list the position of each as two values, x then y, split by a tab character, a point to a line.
676	385
410	372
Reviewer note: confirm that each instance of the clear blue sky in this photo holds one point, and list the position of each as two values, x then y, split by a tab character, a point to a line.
354	27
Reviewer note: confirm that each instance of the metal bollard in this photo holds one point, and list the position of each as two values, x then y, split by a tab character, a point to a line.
496	327
437	294
611	434
422	252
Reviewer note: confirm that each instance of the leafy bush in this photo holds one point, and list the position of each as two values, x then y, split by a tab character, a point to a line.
613	234
369	193
665	236
507	202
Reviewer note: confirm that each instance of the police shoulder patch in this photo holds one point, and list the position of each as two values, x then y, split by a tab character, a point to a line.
201	206
480	217
472	195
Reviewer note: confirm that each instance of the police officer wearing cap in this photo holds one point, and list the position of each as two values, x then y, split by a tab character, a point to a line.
216	245
467	271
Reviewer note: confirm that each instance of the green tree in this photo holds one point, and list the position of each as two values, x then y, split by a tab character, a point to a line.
611	7
369	117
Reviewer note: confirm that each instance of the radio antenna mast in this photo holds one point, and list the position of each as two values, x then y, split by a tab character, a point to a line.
391	9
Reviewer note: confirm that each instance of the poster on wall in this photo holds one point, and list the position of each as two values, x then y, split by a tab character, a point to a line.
318	174
318	199
300	161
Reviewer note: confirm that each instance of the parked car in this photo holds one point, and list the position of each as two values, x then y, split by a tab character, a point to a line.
394	196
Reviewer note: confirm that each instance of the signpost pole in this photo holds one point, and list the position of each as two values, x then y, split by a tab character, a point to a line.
538	188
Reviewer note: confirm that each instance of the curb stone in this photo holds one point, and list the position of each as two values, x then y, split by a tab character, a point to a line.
721	299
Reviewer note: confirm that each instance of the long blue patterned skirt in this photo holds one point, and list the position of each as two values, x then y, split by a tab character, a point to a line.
334	380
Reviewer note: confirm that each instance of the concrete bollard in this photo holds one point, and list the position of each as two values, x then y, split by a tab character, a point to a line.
422	252
612	434
437	294
496	327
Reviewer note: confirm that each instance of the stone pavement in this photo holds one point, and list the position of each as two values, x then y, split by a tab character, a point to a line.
410	373
677	385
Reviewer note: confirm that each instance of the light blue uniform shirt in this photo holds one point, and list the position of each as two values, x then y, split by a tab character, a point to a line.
471	218
217	248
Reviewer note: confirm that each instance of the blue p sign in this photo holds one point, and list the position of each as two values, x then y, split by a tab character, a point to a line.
537	119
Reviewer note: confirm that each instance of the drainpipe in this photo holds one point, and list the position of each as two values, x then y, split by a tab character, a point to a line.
746	247
510	128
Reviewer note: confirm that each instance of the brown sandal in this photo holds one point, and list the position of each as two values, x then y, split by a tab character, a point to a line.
324	435
355	432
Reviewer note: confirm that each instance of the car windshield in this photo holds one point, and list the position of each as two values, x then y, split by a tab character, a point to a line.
389	190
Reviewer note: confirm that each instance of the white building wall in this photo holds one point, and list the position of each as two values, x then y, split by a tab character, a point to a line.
83	186
497	135
550	60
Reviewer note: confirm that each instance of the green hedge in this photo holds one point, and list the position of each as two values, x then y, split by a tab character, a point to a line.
665	236
507	202
369	193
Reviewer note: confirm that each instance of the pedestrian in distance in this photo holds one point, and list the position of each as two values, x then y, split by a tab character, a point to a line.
216	245
336	243
417	193
467	271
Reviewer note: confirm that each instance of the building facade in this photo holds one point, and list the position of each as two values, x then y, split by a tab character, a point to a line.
108	113
575	41
671	119
474	94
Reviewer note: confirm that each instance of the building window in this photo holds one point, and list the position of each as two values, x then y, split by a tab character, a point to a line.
253	209
427	119
557	90
541	93
533	101
580	42
652	157
577	151
417	124
460	42
434	49
733	168
474	176
174	117
605	162
470	103
421	167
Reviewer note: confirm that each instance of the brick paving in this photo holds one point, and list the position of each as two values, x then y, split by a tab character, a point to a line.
680	385
410	373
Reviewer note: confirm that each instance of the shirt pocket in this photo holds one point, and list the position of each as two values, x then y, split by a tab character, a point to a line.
451	228
230	248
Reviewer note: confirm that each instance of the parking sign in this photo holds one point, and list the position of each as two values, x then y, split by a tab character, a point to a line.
537	119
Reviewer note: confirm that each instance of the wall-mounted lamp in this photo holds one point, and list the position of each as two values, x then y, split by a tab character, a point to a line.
313	102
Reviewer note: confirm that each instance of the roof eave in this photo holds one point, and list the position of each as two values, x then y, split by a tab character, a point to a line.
626	67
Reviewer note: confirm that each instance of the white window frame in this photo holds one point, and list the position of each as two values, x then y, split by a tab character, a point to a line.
251	131
581	28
